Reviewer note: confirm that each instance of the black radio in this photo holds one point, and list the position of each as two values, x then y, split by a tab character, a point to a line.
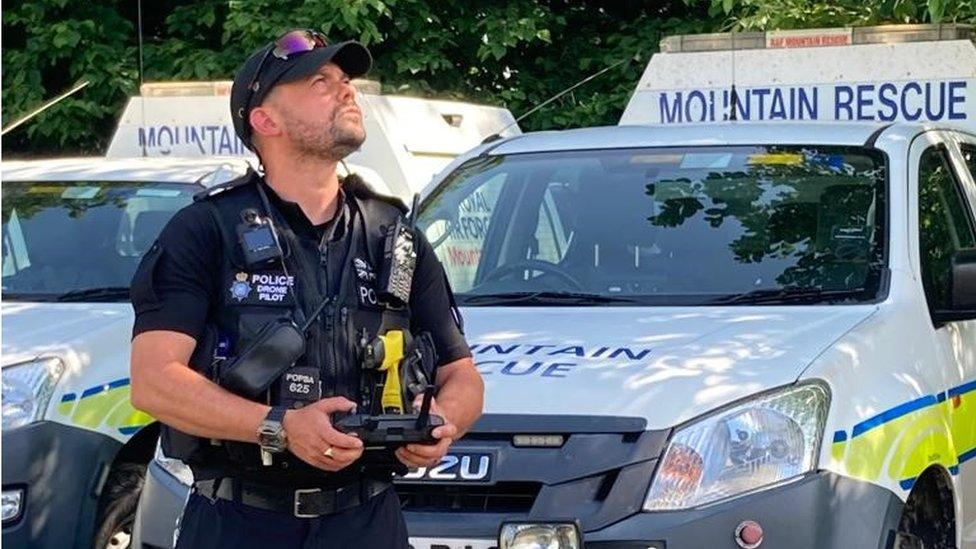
399	262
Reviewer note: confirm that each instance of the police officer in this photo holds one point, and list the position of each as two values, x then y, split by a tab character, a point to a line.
300	244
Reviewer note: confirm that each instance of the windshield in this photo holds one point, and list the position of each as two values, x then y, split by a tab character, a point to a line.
692	225
81	237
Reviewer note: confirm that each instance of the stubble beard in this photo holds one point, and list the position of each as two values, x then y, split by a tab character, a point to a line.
333	140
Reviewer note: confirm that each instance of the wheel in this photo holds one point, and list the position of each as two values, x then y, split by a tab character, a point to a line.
928	519
117	506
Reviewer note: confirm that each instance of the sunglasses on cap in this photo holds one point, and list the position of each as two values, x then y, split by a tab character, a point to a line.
291	43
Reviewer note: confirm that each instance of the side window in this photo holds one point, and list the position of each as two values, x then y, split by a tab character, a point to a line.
945	224
969	153
458	243
15	257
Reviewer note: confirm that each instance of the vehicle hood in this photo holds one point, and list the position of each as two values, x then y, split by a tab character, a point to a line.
667	365
70	330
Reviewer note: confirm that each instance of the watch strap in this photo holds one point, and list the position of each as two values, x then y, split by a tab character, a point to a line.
276	414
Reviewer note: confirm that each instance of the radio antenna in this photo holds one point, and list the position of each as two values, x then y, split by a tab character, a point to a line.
42	108
142	100
497	135
733	96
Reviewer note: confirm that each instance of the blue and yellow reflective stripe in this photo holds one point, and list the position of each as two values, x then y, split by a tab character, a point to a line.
105	404
911	436
892	414
962	389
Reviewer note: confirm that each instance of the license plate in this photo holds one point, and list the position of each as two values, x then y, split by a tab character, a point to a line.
452	543
455	467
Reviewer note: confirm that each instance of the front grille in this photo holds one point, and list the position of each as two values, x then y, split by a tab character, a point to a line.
504	497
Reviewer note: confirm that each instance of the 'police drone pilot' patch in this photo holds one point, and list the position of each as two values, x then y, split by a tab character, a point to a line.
261	288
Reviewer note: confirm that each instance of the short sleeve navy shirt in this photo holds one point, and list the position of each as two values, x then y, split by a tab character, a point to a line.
183	287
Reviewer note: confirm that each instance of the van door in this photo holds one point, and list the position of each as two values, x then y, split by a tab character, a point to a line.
963	148
946	202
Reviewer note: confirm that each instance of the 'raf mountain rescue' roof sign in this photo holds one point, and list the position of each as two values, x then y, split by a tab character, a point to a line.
921	73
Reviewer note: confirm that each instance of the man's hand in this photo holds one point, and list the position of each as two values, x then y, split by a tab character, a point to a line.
315	441
428	455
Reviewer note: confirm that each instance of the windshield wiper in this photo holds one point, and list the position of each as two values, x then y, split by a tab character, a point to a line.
788	295
26	296
544	298
96	294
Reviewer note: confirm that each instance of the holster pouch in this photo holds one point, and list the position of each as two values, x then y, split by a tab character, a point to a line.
273	351
418	368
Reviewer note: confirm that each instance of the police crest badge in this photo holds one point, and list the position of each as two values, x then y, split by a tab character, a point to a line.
240	289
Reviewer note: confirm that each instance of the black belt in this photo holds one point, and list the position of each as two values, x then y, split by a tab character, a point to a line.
302	502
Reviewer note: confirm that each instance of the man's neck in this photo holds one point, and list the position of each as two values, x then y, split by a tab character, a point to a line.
313	184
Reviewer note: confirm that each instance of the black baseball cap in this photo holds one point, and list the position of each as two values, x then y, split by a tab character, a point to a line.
294	55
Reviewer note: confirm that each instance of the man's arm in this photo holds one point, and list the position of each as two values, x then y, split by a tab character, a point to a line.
164	386
461	393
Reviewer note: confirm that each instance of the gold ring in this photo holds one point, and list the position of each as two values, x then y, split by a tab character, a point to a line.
328	452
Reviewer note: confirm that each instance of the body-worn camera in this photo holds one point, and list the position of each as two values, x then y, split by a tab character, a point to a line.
257	238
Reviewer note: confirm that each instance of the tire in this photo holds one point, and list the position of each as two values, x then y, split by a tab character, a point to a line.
117	506
927	522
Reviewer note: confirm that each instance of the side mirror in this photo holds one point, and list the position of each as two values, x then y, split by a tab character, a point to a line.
962	284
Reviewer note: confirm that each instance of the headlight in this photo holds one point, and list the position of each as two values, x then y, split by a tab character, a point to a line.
27	389
540	535
12	501
764	441
175	467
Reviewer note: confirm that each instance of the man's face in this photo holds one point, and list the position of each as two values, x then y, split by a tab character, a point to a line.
319	114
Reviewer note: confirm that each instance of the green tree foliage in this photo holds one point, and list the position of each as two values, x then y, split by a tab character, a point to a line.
50	45
515	53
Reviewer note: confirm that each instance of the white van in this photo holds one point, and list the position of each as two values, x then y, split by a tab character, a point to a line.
74	230
706	336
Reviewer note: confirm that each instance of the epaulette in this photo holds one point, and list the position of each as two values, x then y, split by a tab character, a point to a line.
354	184
248	177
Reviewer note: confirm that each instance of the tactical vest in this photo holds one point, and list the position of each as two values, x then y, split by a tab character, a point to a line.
341	274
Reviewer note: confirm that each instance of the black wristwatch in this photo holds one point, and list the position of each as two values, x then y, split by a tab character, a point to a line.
271	433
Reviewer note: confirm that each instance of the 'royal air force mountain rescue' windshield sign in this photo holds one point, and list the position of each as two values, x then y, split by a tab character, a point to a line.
918	81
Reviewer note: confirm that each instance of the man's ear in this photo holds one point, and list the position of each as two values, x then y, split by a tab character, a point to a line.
263	122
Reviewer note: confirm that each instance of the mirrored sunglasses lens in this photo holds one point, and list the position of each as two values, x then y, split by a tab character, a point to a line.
293	42
297	42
